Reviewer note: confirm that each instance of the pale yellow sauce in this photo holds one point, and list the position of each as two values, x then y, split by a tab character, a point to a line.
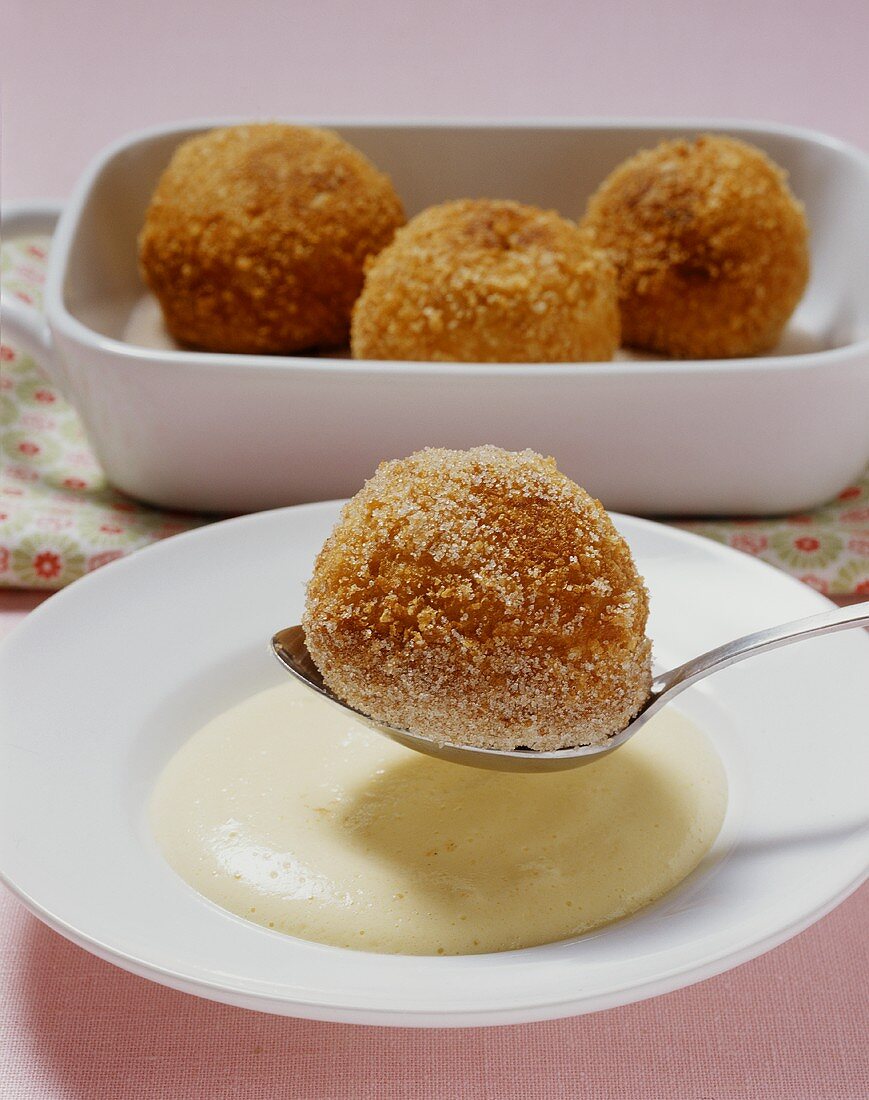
287	812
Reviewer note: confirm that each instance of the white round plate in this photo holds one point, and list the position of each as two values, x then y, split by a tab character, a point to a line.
100	685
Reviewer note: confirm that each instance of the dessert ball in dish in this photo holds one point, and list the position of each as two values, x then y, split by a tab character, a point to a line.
483	281
256	237
710	246
481	597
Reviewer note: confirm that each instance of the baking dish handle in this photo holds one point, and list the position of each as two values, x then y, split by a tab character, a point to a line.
22	323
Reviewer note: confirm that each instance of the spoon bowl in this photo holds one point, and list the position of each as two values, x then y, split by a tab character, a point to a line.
289	647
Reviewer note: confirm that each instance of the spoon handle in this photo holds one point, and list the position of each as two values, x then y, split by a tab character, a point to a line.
677	679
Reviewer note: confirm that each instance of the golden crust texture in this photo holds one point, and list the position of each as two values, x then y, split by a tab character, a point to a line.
484	598
484	281
710	246
256	237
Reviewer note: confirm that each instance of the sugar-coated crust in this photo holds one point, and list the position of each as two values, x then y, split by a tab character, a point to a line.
710	246
256	237
483	281
484	598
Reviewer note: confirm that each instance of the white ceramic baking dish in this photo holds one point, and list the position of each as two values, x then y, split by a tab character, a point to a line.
235	433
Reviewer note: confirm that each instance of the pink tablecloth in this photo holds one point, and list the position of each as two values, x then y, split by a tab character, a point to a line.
791	1024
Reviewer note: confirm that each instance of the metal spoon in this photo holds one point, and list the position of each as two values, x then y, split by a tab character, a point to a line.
289	647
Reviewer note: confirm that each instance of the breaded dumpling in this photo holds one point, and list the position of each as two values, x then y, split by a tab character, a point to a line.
484	281
256	237
481	597
710	245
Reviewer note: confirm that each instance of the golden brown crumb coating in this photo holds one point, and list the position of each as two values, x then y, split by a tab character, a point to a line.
481	597
483	281
256	237
710	245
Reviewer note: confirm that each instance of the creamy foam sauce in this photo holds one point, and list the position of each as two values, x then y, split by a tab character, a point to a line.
291	814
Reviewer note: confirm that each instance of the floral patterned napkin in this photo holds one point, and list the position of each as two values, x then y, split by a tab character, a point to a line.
59	518
827	548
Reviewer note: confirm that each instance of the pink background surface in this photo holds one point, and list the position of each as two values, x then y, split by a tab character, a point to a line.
77	76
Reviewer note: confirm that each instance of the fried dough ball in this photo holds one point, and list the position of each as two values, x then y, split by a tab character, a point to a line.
484	281
710	245
481	597
256	237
